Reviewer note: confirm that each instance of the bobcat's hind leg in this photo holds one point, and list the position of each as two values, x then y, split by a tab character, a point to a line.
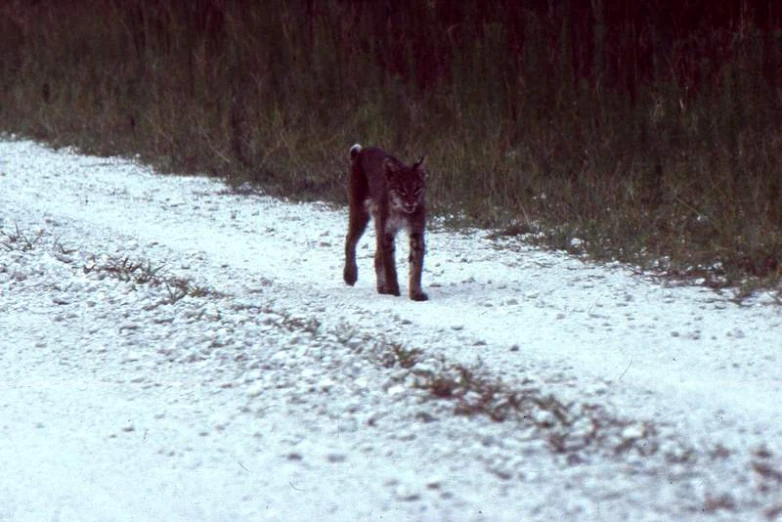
359	217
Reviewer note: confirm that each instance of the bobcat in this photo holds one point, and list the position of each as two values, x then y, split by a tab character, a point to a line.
393	194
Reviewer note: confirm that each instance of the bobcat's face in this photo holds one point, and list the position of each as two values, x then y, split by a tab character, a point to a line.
406	186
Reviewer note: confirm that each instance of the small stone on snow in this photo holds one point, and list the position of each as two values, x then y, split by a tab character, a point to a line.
255	390
634	431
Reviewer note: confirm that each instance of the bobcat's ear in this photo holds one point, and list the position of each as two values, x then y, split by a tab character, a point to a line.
390	167
419	165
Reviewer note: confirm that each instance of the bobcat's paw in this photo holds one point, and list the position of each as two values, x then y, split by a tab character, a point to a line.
350	275
419	296
388	290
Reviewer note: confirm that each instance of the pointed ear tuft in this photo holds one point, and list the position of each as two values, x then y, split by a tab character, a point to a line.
419	166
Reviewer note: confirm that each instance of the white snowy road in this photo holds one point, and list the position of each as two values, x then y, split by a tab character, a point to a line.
267	399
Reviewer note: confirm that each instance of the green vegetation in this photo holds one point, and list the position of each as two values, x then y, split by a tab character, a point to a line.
651	133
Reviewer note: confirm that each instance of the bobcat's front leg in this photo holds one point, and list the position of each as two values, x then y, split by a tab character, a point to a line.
350	272
417	250
385	266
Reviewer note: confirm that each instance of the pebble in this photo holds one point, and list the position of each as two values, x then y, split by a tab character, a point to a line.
255	390
406	493
634	431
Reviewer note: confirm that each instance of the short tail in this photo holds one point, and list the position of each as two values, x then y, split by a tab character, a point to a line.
354	150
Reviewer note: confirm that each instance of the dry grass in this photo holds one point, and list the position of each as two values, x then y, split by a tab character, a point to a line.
143	273
675	169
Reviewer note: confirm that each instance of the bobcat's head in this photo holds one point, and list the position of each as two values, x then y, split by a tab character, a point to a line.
406	185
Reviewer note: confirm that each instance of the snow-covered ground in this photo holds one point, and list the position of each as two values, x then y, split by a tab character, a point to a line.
170	350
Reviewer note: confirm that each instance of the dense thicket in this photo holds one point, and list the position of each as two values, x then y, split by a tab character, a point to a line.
651	130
